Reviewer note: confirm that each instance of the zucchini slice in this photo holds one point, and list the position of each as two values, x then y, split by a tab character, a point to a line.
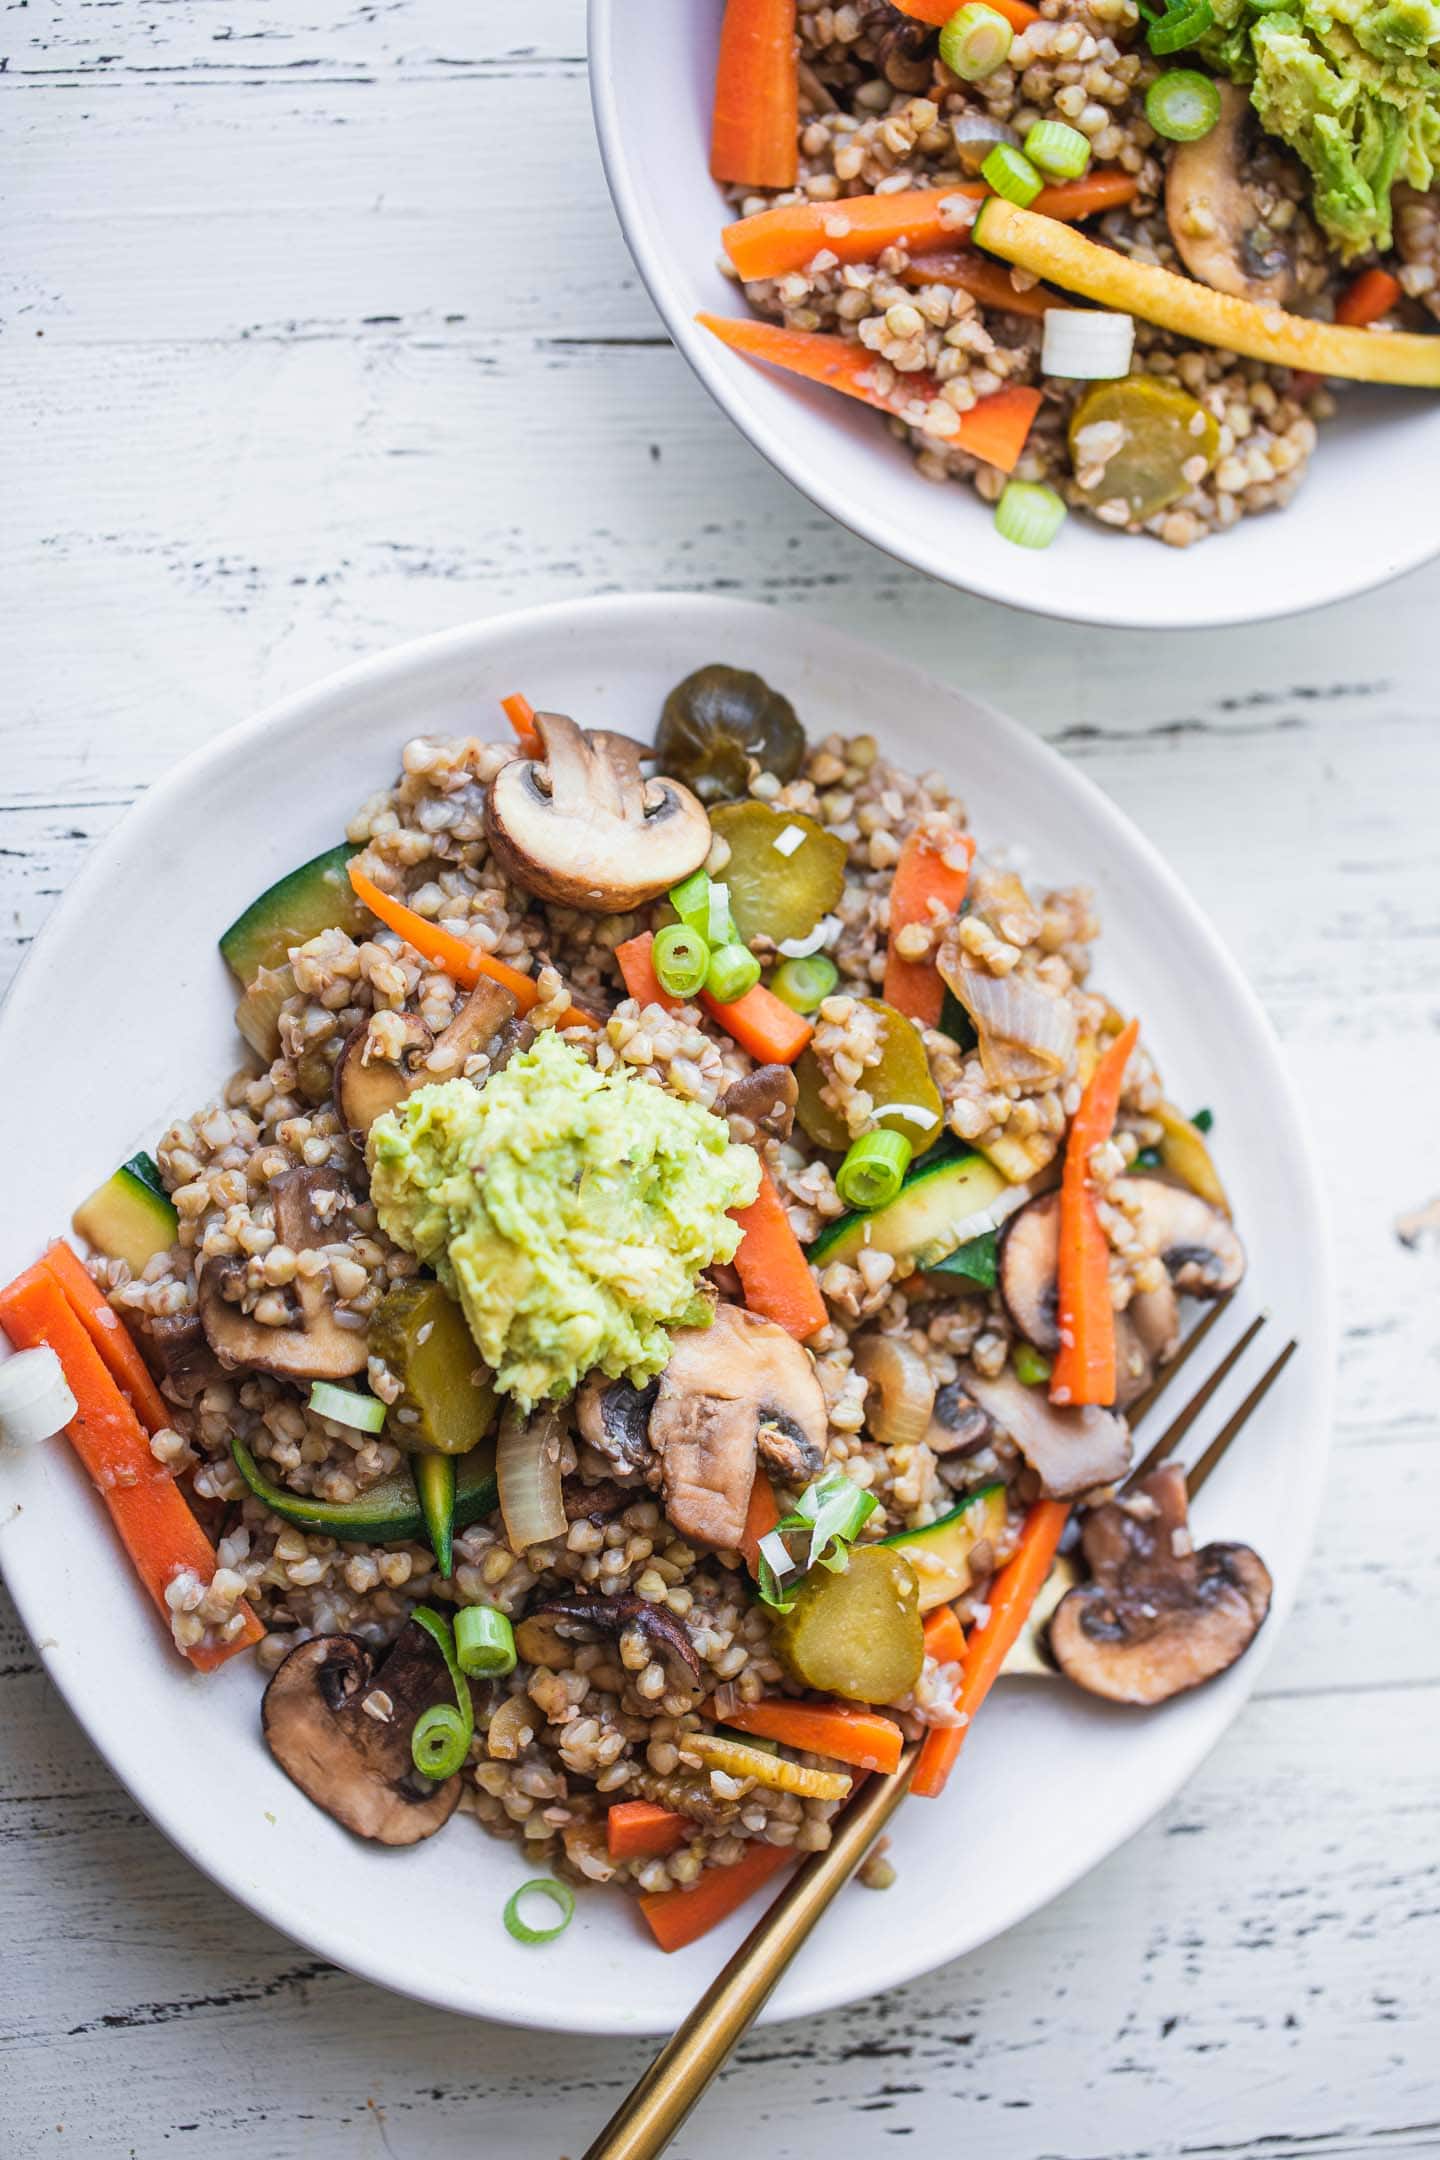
934	1211
130	1216
940	1553
318	896
389	1513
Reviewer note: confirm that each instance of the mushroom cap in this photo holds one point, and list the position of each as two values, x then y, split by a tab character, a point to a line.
1074	1450
354	1765
318	1348
614	1419
584	828
958	1425
366	1087
762	1101
1202	1254
589	1617
1215	218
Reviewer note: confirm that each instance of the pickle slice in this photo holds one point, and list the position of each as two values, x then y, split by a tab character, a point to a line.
780	886
899	1085
1162	429
858	1634
447	1403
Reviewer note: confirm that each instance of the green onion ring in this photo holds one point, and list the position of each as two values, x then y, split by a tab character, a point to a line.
451	1728
560	1895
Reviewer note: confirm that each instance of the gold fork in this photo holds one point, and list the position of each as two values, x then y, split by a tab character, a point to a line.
645	2122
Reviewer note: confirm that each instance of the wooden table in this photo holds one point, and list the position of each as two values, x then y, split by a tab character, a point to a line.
318	334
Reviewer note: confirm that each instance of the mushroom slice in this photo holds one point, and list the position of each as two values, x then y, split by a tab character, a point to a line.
958	1426
584	828
1156	1618
1073	1450
367	1086
587	1618
352	1761
318	1348
1216	191
1026	1276
178	1349
614	1419
762	1101
1203	1257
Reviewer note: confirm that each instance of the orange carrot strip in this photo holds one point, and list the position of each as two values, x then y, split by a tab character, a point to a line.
944	1636
938	12
640	1830
1084	1368
763	1024
520	713
923	875
761	1516
454	956
1370	296
993	430
858	228
1012	1593
678	1917
145	1504
985	280
772	1267
754	134
109	1334
845	1734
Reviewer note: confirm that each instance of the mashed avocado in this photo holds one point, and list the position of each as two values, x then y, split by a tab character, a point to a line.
1353	86
570	1211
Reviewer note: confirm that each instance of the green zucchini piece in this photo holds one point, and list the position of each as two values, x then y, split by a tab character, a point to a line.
390	1513
924	1222
940	1553
318	896
129	1217
435	1483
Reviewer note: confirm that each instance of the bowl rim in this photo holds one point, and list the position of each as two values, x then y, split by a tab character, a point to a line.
713	365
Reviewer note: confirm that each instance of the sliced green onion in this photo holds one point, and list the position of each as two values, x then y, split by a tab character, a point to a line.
804	985
733	970
1058	149
975	41
440	1739
828	1516
1030	1366
484	1641
561	1896
1203	1120
1029	513
1182	105
680	957
874	1169
976	1260
1012	175
691	901
1176	24
347	1406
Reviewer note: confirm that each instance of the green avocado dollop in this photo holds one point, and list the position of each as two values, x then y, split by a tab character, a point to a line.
571	1212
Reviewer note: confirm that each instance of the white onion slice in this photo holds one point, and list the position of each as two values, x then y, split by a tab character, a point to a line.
800	948
1026	1031
718	921
984	1220
35	1397
1087	344
527	1468
793	837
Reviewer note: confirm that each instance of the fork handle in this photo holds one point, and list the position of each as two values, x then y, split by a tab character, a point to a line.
644	2123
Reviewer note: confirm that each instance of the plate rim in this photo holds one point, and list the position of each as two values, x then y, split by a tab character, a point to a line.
339	1942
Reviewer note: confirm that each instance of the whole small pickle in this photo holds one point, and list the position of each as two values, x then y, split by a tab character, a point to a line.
1146	442
857	1634
420	1333
899	1086
719	724
780	884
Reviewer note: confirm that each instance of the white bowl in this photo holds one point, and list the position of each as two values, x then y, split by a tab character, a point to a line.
1053	1781
1364	513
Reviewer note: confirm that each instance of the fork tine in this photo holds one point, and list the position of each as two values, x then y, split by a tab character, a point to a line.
1212	1455
1176	1430
1146	1401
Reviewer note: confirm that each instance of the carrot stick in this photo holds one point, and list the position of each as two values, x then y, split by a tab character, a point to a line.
847	1735
922	875
1370	296
678	1917
454	956
944	1636
1015	12
772	1268
754	134
1012	1594
1084	1368
858	228
761	1023
639	1830
988	282
109	1334
993	430
520	713
761	1516
638	970
145	1504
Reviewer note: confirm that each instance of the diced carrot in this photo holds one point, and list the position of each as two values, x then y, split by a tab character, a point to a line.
761	1516
454	956
839	1730
521	714
763	1024
145	1504
987	281
109	1334
1368	297
639	1830
993	430
944	1636
938	12
754	134
679	1917
1012	1594
923	875
772	1267
1084	1367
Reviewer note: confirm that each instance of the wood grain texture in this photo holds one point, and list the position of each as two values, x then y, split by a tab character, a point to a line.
319	334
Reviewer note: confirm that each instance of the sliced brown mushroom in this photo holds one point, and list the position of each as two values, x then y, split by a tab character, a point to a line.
762	1101
1157	1617
366	1086
739	1385
1072	1450
176	1349
588	1618
958	1425
585	828
352	1761
614	1419
1203	1257
1218	192
316	1347
597	1502
1026	1274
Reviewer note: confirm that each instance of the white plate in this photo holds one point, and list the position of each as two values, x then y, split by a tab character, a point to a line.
1360	517
127	999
